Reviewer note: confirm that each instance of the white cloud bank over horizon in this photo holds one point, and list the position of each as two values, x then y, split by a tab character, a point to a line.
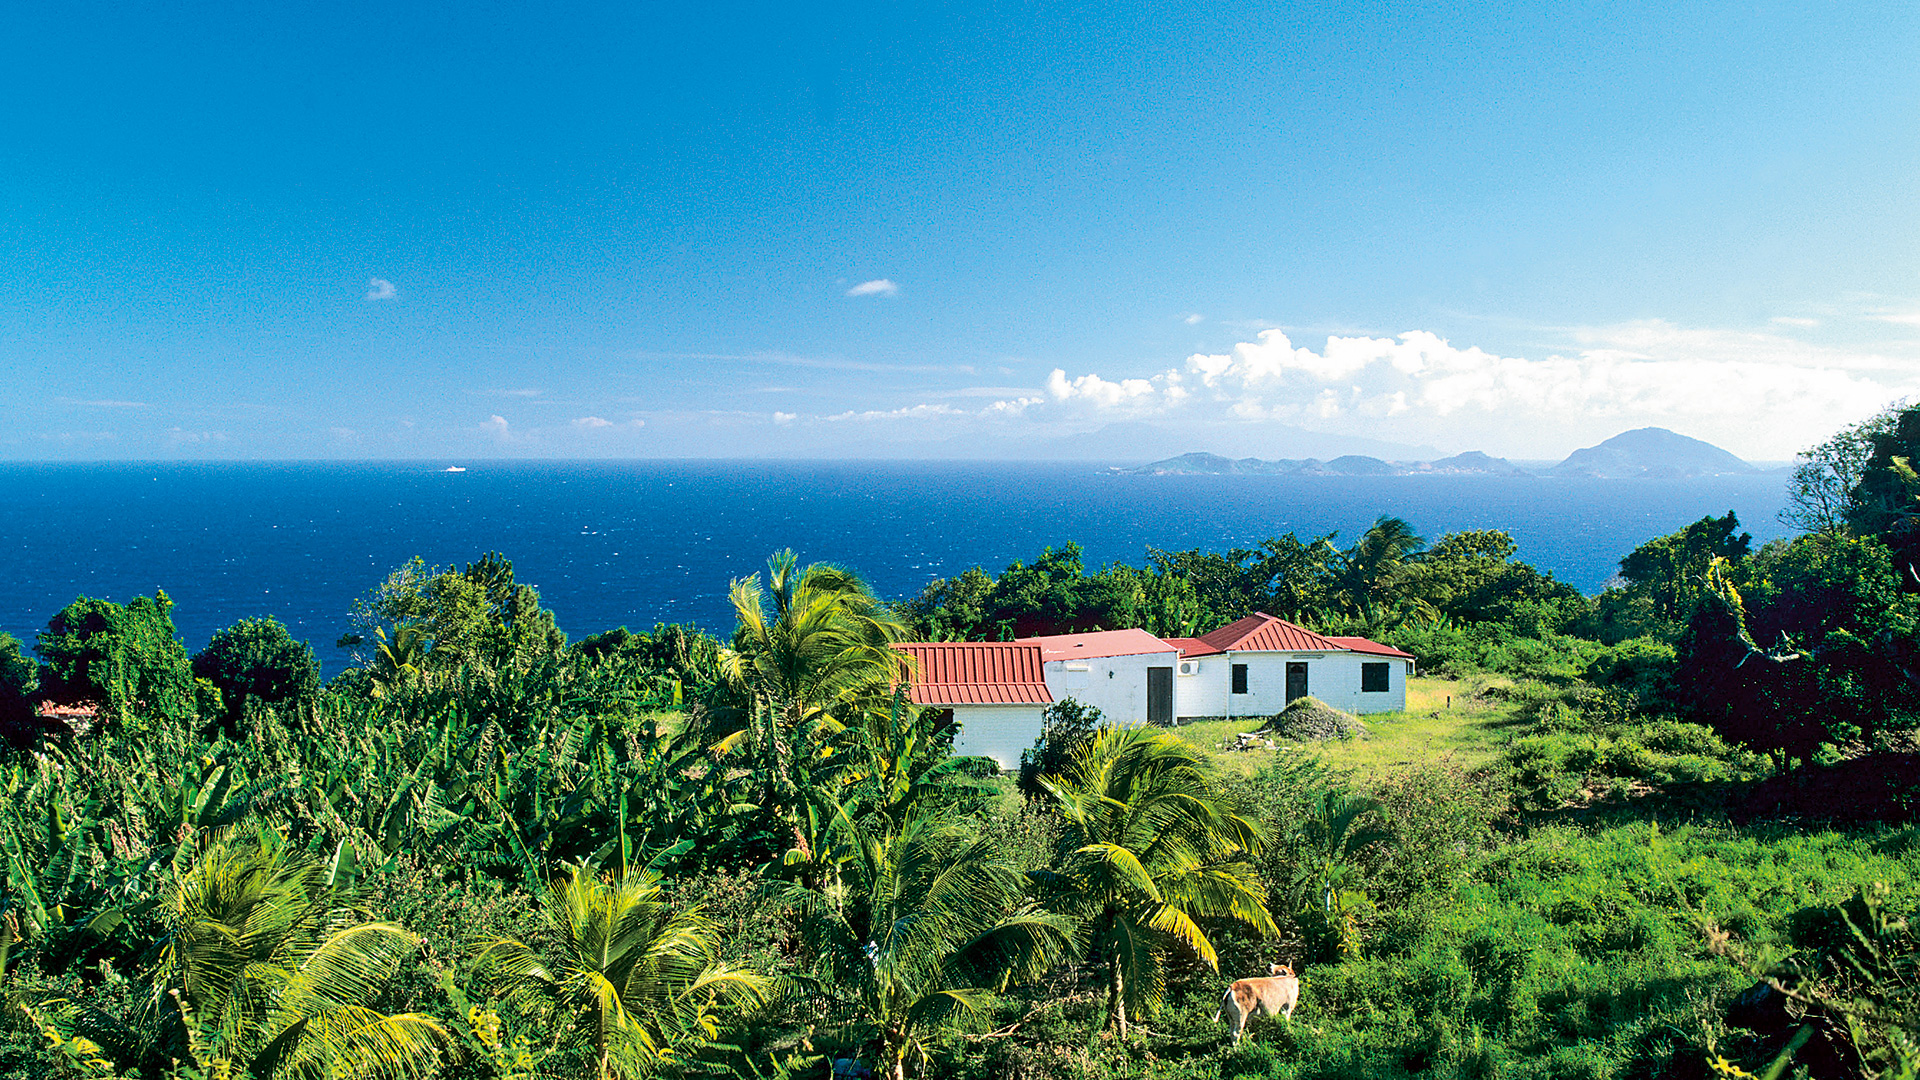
1764	392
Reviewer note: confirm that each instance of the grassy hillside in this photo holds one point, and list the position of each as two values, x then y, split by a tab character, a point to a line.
1447	719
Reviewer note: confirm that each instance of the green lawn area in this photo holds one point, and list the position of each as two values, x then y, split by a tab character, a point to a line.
1443	718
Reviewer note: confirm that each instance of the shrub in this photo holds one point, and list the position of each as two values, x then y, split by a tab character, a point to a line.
258	659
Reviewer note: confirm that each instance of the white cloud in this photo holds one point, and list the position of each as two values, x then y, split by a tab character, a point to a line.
380	289
876	287
784	417
1761	393
182	437
591	423
909	412
1093	388
498	427
1194	320
1794	320
97	404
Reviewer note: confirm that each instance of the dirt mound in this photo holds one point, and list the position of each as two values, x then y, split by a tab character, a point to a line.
1309	719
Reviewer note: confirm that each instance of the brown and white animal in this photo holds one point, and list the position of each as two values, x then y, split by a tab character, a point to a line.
1275	995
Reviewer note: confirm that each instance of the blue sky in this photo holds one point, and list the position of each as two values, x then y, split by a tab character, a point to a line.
464	230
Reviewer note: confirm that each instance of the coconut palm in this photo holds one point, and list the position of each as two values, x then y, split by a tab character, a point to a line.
936	925
630	979
261	973
812	651
1150	847
1362	574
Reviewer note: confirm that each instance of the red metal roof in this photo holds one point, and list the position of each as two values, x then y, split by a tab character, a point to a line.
1360	644
976	673
1261	632
1097	643
1192	646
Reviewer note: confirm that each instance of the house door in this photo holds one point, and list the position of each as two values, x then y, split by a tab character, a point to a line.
1160	696
1296	680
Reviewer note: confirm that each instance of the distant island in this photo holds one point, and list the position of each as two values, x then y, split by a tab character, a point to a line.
1644	453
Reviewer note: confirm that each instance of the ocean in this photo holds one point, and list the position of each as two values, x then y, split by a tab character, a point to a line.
637	542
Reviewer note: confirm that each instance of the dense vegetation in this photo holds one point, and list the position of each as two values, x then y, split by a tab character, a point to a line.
486	851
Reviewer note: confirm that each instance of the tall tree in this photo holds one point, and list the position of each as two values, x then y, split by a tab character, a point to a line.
812	655
935	924
1362	576
126	658
1821	494
1149	847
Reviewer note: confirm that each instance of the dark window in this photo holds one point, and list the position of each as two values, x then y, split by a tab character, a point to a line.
1239	678
1373	678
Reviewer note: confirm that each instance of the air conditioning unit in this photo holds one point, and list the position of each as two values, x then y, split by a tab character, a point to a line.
1189	667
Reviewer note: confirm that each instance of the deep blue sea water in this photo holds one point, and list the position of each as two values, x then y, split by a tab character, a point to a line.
631	543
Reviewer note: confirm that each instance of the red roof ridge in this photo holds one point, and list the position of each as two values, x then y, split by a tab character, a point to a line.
1261	632
1192	646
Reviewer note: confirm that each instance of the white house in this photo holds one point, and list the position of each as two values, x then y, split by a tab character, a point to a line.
998	692
995	692
1126	674
1255	666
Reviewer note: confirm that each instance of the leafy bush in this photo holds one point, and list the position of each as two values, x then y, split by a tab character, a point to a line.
258	659
120	657
1065	727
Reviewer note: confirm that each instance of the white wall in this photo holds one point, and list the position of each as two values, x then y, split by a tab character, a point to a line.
1116	685
1332	677
999	732
1204	693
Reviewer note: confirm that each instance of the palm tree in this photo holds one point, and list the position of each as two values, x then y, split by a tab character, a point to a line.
1363	573
1150	847
630	978
1326	872
937	925
811	653
261	973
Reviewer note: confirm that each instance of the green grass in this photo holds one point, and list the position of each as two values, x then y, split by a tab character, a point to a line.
1444	718
1566	955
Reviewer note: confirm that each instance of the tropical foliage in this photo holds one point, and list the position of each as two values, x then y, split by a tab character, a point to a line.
1148	848
485	851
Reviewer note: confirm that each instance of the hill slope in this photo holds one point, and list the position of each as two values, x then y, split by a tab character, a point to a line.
1651	453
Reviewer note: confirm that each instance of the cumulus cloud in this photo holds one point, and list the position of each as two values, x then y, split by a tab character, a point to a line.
592	423
876	287
380	289
498	427
1110	395
1762	393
